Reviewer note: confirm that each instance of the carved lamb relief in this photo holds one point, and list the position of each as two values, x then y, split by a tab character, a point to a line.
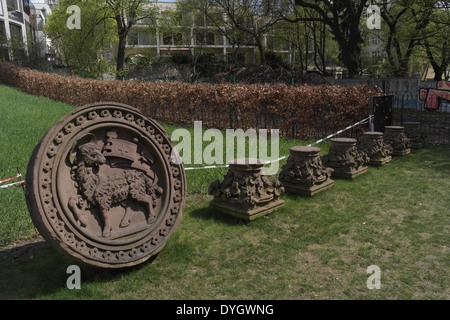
102	187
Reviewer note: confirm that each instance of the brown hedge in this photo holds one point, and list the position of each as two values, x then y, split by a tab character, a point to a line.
298	111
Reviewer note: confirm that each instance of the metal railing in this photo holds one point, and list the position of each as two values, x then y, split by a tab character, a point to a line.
409	106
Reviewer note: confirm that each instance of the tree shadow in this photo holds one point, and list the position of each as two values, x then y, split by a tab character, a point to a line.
437	157
208	213
35	269
20	252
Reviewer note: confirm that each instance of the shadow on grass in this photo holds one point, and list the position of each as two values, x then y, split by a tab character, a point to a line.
33	270
437	157
209	214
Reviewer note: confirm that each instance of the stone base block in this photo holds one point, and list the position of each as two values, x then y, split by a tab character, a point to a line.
236	209
349	173
307	191
380	161
400	153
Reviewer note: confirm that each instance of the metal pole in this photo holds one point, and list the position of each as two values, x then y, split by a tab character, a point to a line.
401	110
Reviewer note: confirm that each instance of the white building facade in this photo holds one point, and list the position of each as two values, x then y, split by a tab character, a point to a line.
21	26
202	37
41	10
15	17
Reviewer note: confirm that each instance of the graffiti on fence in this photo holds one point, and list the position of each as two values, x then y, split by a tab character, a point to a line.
438	98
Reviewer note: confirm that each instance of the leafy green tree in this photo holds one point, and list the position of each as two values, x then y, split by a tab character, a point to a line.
311	42
437	46
82	49
127	14
103	23
343	18
416	29
243	22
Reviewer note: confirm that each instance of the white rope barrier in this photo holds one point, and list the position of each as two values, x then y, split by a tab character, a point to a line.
20	183
309	145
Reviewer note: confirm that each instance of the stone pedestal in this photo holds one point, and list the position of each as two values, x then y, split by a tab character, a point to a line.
412	131
372	143
345	159
396	137
244	192
304	173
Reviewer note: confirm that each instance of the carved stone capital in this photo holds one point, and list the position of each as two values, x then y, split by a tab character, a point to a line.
244	192
304	173
345	158
396	137
412	131
372	143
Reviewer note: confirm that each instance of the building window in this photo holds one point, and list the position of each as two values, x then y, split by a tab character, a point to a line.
173	39
2	30
205	38
144	39
210	38
4	56
133	39
139	38
16	32
200	37
177	39
12	5
167	40
14	10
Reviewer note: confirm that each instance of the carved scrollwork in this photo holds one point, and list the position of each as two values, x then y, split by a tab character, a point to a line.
251	189
244	191
344	153
304	172
372	143
307	169
413	132
345	158
396	137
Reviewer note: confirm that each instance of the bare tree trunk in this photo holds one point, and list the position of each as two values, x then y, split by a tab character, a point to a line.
120	64
343	18
262	55
439	69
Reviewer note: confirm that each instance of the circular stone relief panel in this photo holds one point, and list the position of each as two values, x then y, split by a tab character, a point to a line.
101	186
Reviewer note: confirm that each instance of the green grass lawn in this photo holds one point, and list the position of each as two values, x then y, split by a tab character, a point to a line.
395	217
